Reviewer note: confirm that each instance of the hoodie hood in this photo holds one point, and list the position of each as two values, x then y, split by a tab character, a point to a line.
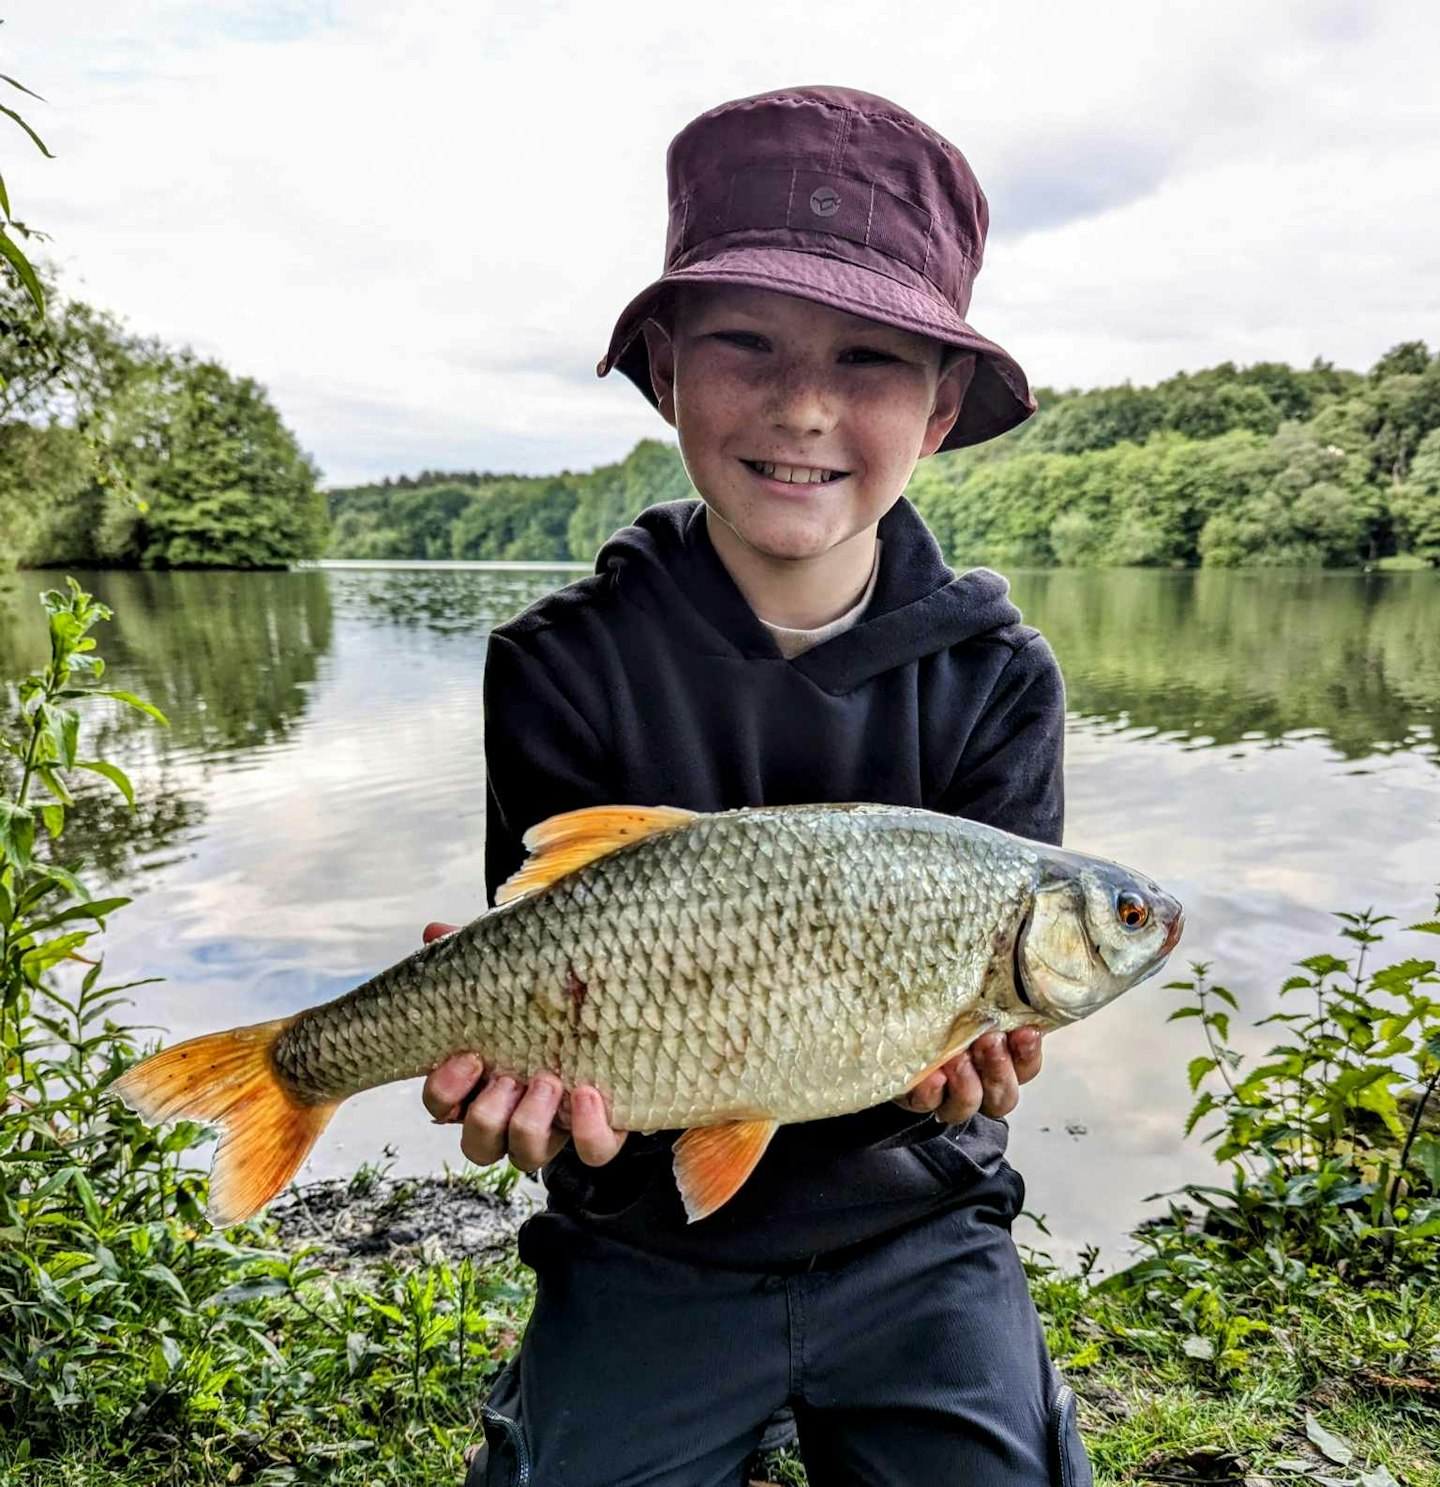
666	561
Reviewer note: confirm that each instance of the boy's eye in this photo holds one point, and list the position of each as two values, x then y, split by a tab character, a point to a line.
869	355
740	338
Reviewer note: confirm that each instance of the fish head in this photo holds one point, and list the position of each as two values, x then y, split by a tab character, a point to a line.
1094	930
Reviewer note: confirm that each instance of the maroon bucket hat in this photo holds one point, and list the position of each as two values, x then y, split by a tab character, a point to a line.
836	196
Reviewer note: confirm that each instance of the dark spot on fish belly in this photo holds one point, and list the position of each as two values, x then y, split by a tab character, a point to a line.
577	989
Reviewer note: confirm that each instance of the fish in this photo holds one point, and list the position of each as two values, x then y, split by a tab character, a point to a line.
720	973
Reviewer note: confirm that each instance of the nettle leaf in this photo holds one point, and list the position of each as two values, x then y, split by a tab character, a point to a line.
17	834
1403	975
1325	965
95	909
54	817
54	784
1426	927
1199	1068
113	773
52	952
64	725
131	700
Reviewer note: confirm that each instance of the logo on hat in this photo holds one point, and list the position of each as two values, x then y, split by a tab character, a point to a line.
824	201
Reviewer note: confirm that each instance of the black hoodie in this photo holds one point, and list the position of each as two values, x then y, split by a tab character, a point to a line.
654	683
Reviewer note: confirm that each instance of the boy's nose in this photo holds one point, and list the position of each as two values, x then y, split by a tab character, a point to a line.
800	403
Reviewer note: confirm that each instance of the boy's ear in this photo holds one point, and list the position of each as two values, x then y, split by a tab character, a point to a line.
662	367
957	372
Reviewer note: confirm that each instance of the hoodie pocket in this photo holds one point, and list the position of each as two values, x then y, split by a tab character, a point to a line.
507	1454
1069	1465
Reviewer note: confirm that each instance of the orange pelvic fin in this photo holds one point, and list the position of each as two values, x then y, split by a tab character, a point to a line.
563	844
229	1080
712	1162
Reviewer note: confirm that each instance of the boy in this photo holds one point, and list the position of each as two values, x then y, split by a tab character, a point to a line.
793	636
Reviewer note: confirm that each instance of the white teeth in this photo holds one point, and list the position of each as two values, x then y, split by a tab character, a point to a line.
794	474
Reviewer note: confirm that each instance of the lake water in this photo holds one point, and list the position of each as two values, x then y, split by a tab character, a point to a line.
1266	745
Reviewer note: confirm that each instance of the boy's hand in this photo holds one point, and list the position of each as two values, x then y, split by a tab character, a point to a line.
504	1117
986	1077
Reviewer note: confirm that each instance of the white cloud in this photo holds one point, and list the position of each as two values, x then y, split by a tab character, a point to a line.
416	223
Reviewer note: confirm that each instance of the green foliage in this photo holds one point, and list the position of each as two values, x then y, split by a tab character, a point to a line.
1334	1179
1415	503
1262	466
135	1341
538	518
116	451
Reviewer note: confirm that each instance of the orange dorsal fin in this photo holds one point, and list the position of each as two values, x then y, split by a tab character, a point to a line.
712	1162
565	843
230	1080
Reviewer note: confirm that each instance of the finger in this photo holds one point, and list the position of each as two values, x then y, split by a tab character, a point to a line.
963	1091
1026	1053
533	1137
437	931
925	1096
485	1132
596	1141
449	1085
997	1076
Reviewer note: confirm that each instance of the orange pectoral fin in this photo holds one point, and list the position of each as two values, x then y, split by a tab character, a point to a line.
712	1162
565	843
963	1032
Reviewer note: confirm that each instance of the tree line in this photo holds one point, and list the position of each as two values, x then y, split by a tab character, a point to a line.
117	451
1233	466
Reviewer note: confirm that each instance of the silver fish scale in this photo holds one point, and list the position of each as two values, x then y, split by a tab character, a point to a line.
787	963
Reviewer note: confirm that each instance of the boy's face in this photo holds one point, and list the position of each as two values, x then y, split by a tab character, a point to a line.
750	377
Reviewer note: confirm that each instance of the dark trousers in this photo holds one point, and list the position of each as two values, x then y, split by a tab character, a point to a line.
915	1360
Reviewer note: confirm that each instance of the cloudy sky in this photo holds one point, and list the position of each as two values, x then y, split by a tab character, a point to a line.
416	222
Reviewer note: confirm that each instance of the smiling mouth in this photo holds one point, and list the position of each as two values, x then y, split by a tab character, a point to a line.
794	474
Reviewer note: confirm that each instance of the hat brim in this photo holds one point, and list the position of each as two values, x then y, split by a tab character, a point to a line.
998	398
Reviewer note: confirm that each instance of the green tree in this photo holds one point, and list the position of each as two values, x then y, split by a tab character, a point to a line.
516	520
225	483
1308	506
1408	359
611	497
1415	504
1096	420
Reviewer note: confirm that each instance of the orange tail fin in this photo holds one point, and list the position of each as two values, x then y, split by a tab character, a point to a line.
229	1080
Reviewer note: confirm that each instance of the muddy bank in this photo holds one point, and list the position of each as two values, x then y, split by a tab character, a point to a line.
404	1220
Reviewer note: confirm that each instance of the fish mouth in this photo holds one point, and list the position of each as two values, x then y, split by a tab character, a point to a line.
1172	935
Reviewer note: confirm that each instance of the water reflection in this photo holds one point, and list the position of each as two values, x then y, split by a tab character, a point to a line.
1220	657
321	797
448	601
230	658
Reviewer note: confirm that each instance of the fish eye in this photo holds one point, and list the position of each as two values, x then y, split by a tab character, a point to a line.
1132	910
